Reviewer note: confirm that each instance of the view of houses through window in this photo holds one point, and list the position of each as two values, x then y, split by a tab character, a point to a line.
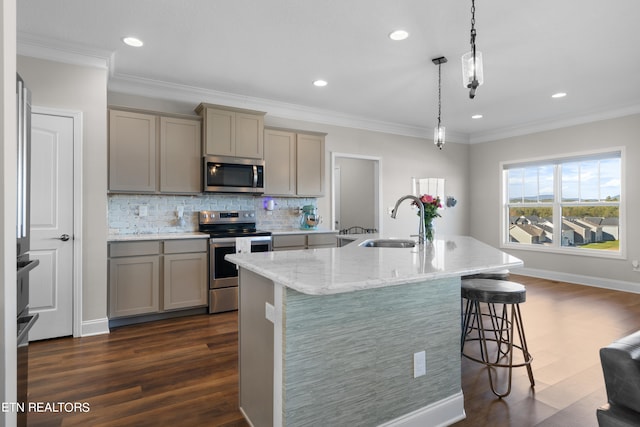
572	202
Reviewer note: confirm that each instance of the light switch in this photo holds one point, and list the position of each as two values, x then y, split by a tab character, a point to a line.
270	312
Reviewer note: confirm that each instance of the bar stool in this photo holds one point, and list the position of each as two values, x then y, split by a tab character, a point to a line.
496	274
495	328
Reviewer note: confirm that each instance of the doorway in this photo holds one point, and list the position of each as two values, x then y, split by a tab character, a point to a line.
55	288
356	192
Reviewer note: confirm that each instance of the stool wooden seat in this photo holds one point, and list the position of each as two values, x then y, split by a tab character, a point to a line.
497	338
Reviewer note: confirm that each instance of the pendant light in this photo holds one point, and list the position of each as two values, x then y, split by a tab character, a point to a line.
472	75
438	131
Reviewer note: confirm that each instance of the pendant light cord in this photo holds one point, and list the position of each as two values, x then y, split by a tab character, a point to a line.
439	93
473	36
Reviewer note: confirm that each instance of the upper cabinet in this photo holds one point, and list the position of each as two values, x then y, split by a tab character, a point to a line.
132	151
231	131
150	153
310	164
180	156
280	162
294	163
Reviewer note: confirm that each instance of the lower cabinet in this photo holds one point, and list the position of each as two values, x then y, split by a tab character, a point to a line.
156	276
185	275
290	242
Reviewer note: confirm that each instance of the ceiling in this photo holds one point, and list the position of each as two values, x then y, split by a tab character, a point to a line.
256	52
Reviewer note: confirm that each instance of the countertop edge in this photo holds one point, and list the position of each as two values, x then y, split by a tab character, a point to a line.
301	231
158	236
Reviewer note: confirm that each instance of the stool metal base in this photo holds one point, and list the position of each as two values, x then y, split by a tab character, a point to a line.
504	321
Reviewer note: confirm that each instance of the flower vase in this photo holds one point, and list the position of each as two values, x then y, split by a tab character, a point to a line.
429	231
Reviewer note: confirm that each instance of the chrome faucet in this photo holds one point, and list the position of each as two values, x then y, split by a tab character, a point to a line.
422	233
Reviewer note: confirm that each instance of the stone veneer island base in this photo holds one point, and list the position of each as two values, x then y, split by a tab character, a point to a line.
328	336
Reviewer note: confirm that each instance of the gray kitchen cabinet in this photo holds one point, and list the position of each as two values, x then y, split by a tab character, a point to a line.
134	269
151	277
288	242
322	240
232	132
132	151
294	163
180	155
316	240
151	153
185	274
280	162
310	165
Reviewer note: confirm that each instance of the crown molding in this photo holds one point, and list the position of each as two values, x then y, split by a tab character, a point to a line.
128	84
76	54
541	126
69	53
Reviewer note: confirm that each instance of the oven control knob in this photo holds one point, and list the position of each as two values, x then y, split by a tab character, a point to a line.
252	214
246	215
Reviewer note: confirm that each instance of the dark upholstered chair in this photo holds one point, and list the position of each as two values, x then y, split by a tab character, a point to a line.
621	368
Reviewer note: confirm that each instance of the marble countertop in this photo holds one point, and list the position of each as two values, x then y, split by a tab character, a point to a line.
301	231
154	236
353	267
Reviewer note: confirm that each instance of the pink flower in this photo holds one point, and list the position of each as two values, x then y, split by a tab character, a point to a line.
431	206
426	198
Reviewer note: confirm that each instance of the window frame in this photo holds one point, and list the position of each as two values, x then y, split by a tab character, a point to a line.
558	204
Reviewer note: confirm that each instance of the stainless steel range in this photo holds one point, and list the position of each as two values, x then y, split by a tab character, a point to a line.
225	228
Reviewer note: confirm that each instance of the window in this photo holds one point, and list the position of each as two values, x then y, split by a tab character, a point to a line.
570	204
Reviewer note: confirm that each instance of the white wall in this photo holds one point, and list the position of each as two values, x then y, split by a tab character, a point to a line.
79	88
402	158
485	192
8	209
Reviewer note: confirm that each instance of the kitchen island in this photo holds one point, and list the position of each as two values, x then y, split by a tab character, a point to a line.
336	336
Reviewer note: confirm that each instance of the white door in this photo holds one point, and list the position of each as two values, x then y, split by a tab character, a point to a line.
51	283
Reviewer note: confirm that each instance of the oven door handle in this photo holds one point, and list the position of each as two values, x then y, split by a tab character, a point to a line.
222	242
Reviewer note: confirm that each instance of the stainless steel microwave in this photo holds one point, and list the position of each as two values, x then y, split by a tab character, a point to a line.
233	175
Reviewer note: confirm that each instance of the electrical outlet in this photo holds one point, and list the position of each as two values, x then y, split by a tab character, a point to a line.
636	265
143	210
419	364
180	210
389	210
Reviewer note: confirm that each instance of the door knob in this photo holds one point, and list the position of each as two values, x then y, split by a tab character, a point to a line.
64	237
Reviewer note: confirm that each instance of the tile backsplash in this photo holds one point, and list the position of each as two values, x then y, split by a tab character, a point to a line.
162	211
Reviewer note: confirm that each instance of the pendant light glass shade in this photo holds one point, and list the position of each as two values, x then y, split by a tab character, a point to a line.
467	69
438	136
438	131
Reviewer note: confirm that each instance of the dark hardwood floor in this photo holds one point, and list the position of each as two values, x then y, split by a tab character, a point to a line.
183	372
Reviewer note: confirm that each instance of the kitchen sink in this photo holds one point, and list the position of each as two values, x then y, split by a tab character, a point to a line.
388	243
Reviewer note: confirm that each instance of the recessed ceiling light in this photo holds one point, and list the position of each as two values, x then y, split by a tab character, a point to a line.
398	35
132	41
320	83
476	116
559	95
